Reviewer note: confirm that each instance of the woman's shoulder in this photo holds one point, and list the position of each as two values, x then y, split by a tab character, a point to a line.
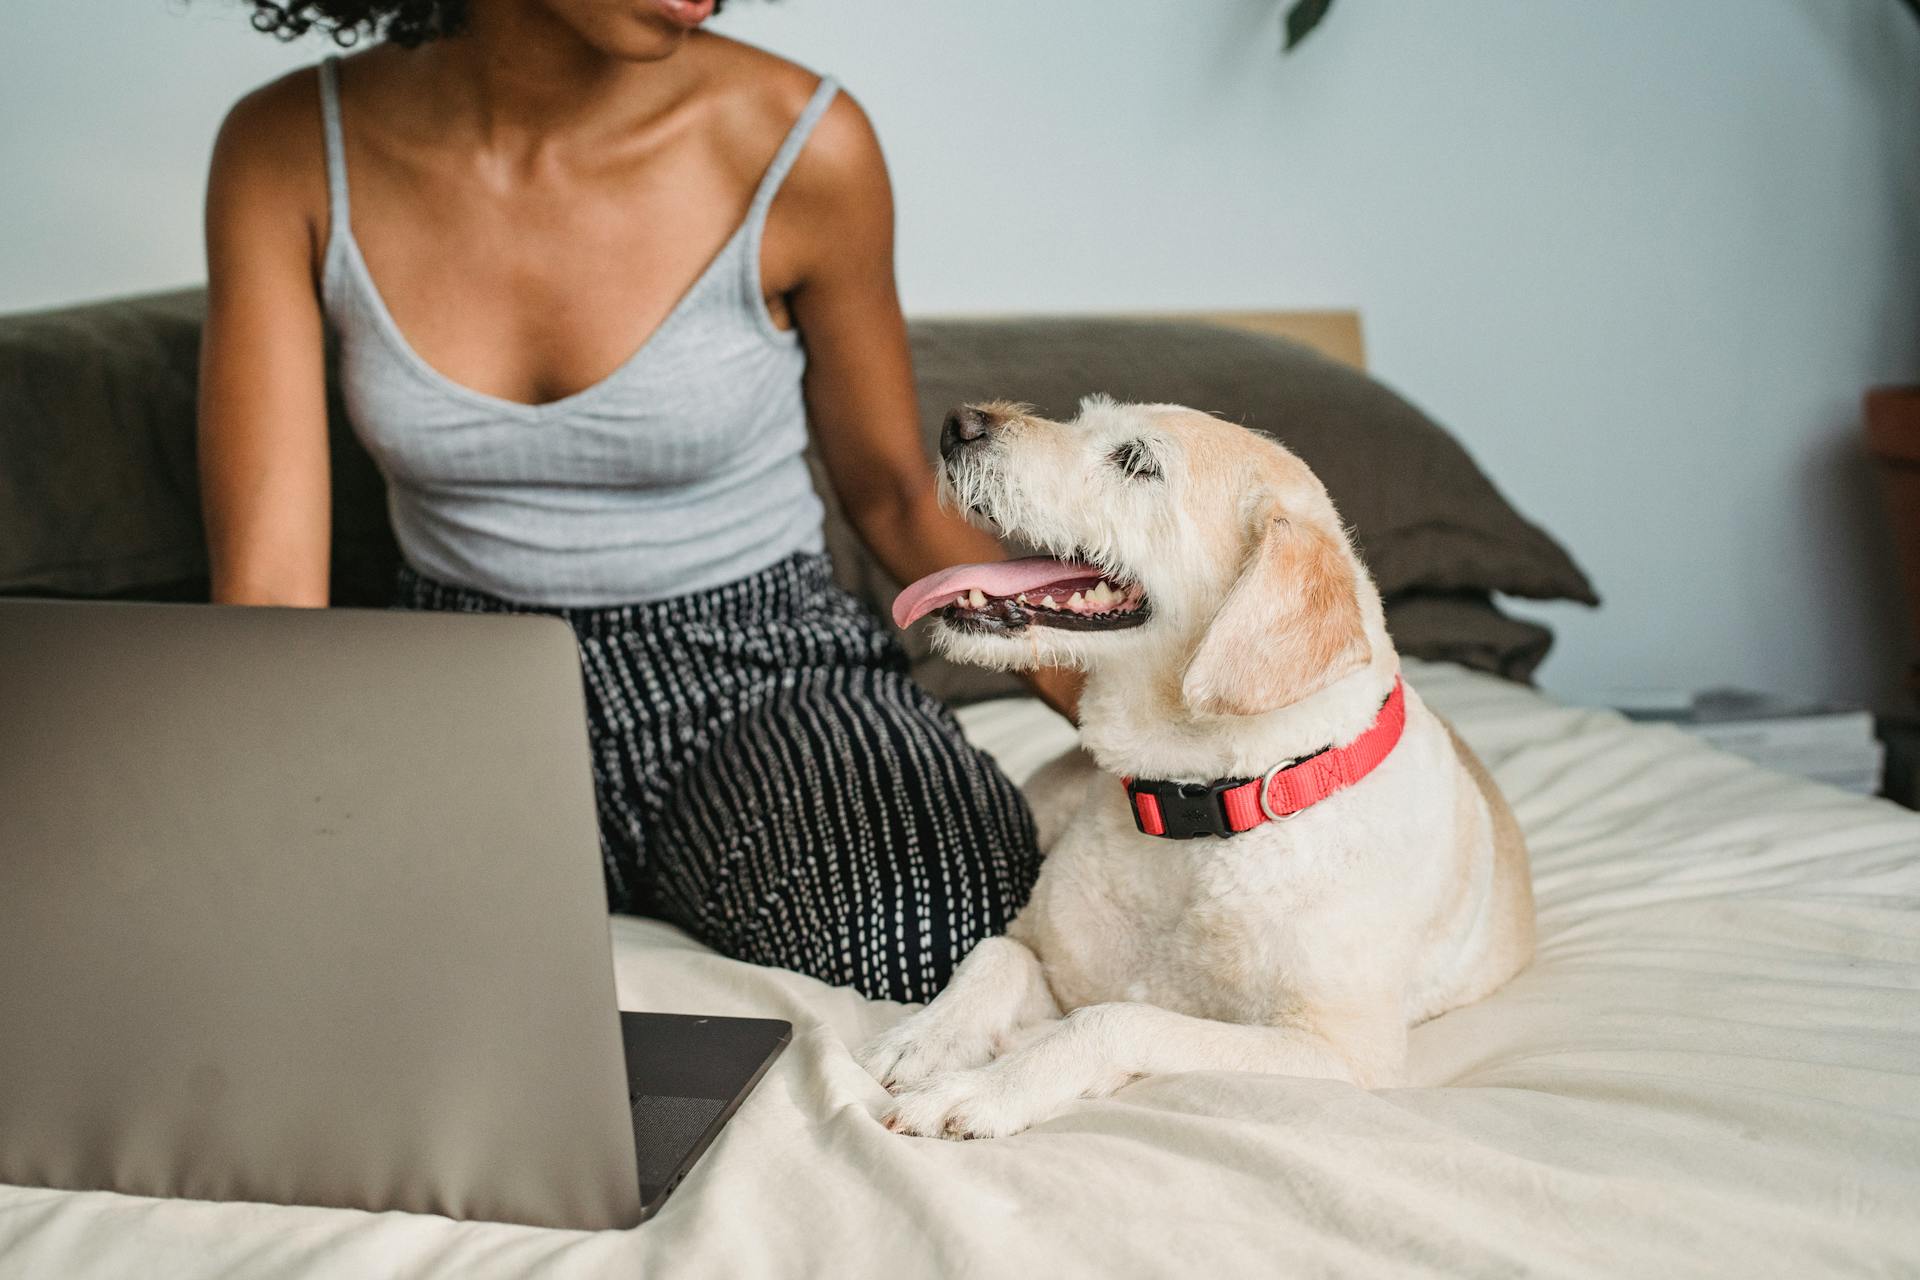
280	113
769	94
271	149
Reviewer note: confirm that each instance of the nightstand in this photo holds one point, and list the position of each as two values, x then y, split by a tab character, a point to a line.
1899	733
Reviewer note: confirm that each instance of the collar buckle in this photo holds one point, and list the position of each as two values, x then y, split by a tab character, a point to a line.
1182	810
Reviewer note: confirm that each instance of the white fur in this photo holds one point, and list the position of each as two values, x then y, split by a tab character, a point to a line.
1305	947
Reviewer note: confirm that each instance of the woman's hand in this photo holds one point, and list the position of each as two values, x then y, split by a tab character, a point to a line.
830	234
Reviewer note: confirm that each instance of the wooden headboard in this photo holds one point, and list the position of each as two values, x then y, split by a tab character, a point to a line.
1334	334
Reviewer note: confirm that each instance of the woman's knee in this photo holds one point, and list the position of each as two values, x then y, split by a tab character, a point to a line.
854	831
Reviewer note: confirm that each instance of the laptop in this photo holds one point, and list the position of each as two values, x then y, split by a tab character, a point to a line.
306	907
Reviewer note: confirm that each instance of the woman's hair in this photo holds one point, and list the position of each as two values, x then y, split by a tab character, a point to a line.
405	22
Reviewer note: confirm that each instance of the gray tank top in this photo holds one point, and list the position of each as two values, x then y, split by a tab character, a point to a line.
679	471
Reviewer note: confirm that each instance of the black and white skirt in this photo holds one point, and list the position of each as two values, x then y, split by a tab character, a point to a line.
770	780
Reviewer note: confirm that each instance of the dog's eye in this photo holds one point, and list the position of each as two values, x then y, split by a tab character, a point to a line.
1135	460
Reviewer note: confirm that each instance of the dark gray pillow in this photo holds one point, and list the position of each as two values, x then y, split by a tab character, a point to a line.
1466	627
97	488
99	492
1429	522
99	495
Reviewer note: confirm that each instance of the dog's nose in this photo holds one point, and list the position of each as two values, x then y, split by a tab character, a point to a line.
967	427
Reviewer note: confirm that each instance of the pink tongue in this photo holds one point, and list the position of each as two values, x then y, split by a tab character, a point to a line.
1000	578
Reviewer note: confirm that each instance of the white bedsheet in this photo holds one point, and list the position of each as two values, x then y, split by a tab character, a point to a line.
1713	1068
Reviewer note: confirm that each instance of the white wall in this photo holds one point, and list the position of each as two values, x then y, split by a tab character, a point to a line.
1641	255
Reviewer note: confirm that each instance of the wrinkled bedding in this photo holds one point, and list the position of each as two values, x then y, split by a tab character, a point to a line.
1712	1068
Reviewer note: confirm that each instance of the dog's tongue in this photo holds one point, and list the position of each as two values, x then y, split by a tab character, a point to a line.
999	578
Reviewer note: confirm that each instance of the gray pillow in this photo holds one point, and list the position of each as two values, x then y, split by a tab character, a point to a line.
1429	522
99	493
97	488
1466	627
99	496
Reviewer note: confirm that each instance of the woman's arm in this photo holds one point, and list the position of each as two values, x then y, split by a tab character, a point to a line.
859	381
264	473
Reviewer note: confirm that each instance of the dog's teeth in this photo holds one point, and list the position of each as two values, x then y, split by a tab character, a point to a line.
977	598
1102	594
1022	598
1077	602
1047	602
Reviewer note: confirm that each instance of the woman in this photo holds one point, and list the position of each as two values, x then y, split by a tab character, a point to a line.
592	272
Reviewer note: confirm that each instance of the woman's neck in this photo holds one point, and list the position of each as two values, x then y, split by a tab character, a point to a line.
520	76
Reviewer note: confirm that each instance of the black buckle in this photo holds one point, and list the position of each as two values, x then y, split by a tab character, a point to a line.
1187	809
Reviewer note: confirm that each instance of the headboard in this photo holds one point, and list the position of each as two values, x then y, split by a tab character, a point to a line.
1334	334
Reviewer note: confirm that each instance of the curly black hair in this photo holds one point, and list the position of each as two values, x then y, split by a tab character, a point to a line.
405	22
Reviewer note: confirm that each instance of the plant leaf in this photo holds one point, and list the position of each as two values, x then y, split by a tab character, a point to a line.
1305	16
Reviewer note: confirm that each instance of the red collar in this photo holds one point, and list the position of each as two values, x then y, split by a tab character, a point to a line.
1228	806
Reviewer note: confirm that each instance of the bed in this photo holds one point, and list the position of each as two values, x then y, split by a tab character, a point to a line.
1713	1067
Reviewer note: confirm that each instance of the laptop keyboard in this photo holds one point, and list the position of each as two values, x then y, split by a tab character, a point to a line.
668	1127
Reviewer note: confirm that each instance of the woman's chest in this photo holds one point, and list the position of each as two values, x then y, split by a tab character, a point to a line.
534	292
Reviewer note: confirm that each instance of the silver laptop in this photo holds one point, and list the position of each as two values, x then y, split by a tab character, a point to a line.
305	906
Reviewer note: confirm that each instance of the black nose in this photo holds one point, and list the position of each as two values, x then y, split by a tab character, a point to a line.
967	427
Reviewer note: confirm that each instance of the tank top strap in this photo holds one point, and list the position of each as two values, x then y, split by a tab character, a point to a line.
756	224
336	152
790	149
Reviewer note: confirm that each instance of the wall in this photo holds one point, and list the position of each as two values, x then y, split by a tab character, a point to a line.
1641	256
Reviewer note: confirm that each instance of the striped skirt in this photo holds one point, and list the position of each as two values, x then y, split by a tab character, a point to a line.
770	780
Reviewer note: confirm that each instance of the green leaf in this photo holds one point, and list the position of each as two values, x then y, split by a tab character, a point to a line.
1303	18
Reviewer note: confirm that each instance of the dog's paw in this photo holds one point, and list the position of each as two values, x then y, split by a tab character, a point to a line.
919	1048
981	1103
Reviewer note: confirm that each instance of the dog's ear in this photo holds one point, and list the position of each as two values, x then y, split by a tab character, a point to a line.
1290	626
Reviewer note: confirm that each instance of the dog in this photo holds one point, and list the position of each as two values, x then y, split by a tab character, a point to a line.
1350	868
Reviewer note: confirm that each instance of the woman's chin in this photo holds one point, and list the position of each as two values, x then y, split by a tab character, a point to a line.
647	38
641	31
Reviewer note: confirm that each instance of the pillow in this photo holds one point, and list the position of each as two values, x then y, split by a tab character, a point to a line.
99	495
1431	526
97	486
1466	627
99	492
